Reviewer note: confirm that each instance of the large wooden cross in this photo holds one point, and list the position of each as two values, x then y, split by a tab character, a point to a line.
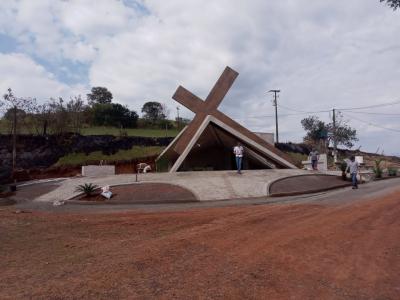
209	108
203	108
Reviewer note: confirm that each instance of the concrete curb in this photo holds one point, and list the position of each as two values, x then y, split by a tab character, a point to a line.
312	191
297	193
71	201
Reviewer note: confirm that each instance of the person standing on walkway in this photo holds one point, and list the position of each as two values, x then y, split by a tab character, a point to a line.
352	165
238	151
314	156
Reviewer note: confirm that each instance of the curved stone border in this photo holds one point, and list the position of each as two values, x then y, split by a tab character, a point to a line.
71	201
294	193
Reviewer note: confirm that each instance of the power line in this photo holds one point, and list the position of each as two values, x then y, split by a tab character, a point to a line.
302	111
372	124
374	113
349	108
372	106
273	116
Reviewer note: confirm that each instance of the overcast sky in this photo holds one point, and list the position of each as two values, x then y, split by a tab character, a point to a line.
322	54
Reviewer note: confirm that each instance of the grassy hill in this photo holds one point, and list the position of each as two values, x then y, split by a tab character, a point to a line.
101	130
129	131
75	159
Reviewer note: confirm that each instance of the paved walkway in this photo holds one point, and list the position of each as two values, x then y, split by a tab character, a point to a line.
213	185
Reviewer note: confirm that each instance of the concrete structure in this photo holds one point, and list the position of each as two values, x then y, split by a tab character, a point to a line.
266	136
207	142
97	171
205	186
322	163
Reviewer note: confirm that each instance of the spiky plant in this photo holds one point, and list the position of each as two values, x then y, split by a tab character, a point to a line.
87	188
343	168
392	171
377	169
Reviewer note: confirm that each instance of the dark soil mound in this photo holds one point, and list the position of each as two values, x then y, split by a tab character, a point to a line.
305	184
141	193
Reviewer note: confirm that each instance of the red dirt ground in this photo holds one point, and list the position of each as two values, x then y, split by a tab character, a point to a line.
302	251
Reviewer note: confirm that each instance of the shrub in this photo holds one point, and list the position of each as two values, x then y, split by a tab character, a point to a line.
392	171
87	188
377	169
343	167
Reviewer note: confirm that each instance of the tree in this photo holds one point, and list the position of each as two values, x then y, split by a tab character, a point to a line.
153	111
75	108
395	4
316	130
100	95
9	115
58	121
41	118
10	102
114	114
320	132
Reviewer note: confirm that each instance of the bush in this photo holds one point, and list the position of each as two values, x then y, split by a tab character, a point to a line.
392	171
377	169
343	167
114	114
87	188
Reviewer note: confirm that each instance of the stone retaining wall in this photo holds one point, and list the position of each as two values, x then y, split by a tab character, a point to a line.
44	151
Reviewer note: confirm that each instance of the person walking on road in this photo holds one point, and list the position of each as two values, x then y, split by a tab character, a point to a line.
238	151
352	166
314	156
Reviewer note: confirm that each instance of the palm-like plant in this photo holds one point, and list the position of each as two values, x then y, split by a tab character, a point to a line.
392	171
377	169
87	188
343	168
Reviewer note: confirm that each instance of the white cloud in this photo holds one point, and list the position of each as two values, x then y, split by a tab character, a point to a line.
96	19
321	54
28	79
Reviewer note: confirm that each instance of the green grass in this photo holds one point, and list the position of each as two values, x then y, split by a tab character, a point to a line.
136	152
100	130
297	158
129	131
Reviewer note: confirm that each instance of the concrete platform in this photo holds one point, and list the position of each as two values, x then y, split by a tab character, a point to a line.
206	186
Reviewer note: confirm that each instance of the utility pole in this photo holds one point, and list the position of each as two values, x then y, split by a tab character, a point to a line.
334	135
276	112
177	119
14	151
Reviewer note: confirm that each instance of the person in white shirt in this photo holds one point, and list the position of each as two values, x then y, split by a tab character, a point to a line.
352	165
238	151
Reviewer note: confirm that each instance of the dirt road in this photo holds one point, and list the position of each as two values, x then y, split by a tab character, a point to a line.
345	248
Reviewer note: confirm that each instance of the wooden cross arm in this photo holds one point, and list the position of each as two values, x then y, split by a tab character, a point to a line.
221	88
189	100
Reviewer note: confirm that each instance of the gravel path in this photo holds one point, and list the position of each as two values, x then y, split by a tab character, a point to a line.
338	245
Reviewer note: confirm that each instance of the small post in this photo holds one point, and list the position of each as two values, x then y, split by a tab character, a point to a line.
177	118
14	150
334	136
